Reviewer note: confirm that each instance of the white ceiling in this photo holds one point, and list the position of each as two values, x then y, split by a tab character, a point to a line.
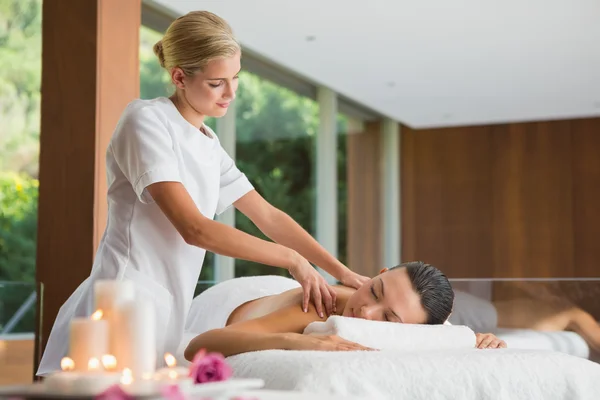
432	63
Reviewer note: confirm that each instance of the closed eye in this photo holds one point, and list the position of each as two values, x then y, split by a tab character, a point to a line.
213	85
373	292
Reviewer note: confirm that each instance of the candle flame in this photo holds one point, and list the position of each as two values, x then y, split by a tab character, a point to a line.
126	377
97	315
109	362
93	364
67	364
170	360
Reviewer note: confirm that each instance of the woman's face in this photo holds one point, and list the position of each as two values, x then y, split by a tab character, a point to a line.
387	297
210	91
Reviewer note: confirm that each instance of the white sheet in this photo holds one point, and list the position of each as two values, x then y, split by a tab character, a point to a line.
450	374
565	342
394	336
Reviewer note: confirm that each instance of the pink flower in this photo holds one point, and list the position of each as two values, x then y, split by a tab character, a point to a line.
210	367
115	392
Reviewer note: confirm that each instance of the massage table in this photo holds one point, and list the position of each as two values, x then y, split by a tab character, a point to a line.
421	362
511	374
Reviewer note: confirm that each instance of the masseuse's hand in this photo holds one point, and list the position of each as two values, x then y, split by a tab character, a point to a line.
353	280
313	285
489	341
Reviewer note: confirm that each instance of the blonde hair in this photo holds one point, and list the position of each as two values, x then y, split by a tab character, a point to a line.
195	39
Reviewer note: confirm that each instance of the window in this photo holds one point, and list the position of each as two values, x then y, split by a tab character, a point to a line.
275	129
20	77
342	189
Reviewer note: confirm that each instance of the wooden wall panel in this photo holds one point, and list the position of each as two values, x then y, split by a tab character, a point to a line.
515	200
364	200
16	362
586	197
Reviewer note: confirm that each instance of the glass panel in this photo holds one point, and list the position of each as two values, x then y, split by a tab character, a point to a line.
275	149
20	78
342	189
548	314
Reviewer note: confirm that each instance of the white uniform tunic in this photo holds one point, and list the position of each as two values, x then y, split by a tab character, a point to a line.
152	143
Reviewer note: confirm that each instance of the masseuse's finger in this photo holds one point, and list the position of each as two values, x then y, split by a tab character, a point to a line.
327	298
318	300
333	295
306	297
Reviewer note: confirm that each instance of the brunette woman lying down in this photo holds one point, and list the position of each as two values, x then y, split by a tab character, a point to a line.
265	312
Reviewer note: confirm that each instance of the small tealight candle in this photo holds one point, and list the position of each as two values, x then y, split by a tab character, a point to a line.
126	377
137	387
172	373
109	362
93	364
67	364
80	383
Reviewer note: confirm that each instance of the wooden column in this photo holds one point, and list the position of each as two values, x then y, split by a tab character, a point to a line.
90	71
364	200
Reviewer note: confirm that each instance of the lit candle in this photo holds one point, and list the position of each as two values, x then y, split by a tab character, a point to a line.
93	364
89	382
88	339
173	373
138	387
126	377
109	362
67	364
108	296
134	324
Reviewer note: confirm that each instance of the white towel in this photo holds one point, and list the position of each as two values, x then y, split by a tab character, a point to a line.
385	335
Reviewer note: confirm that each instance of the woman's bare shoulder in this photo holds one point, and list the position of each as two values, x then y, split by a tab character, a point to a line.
284	318
283	312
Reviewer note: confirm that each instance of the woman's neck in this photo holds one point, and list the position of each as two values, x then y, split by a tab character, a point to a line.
187	111
343	294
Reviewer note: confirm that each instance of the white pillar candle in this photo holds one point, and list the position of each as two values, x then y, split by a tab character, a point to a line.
134	326
109	295
88	338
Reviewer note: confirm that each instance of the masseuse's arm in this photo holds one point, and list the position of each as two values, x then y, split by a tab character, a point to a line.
281	228
198	230
280	330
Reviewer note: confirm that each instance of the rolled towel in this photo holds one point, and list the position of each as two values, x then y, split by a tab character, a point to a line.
384	335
